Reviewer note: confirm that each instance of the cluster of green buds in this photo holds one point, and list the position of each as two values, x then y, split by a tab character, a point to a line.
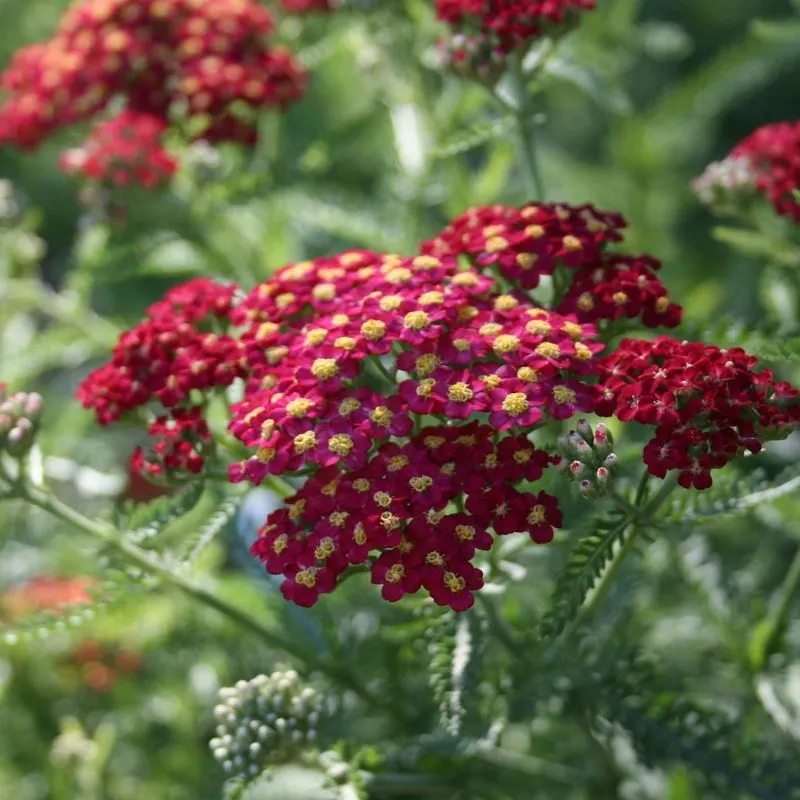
587	456
271	719
20	415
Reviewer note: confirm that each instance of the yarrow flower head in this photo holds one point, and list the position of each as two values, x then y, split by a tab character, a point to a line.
47	593
157	55
707	405
181	348
525	244
388	380
125	150
506	25
766	162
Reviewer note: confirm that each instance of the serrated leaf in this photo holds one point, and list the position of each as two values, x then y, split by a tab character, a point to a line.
206	534
150	519
475	136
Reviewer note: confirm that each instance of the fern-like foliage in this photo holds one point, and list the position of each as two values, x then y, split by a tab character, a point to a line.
731	496
456	647
765	342
587	561
476	136
205	535
667	726
144	522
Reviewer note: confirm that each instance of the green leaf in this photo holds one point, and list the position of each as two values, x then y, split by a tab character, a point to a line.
754	243
607	95
151	519
196	545
786	30
477	135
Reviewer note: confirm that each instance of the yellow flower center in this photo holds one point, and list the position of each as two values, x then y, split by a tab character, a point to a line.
449	468
390	521
338	518
462	345
396	463
399	275
490	462
563	394
537	515
284	300
296	510
460	393
373	329
496	244
324	369
345	343
465	533
515	404
492	230
434	558
490	329
340	319
505	302
662	304
266	329
465	279
359	534
619	298
505	344
426	262
455	583
307	577
316	336
304	442
427	363
527	374
266	454
572	329
298	407
341	444
425	387
534	231
431	299
361	485
348	406
467	440
325	549
571	243
329	489
582	352
548	350
538	327
267	428
526	260
391	302
585	302
382	416
523	456
324	291
383	499
416	320
432	442
280	544
421	483
395	573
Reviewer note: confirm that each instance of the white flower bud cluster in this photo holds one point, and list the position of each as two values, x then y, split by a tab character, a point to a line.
19	420
268	720
726	183
587	456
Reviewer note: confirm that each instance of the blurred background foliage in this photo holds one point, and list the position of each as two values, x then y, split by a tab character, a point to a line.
381	153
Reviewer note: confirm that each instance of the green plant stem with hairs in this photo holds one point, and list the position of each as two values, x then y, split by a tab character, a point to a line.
140	558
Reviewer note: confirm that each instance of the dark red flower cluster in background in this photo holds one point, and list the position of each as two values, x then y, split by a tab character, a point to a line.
524	244
124	150
159	55
507	25
707	405
181	348
405	390
773	153
306	6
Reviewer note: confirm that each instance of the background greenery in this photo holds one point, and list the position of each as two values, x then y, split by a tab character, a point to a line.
380	154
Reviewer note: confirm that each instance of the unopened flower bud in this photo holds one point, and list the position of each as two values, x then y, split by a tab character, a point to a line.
585	430
603	475
577	468
586	488
611	460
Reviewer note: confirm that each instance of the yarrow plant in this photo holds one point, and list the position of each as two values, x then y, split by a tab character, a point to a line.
512	399
162	59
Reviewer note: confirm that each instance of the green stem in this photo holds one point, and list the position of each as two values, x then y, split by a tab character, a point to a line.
766	635
527	145
140	558
500	629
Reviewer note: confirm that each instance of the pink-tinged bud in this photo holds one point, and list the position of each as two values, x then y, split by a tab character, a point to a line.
583	447
577	468
603	475
6	423
585	430
586	488
33	406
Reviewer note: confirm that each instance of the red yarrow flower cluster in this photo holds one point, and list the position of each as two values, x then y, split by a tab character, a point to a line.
773	153
707	405
353	359
124	150
510	23
306	6
47	593
156	54
525	244
181	348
